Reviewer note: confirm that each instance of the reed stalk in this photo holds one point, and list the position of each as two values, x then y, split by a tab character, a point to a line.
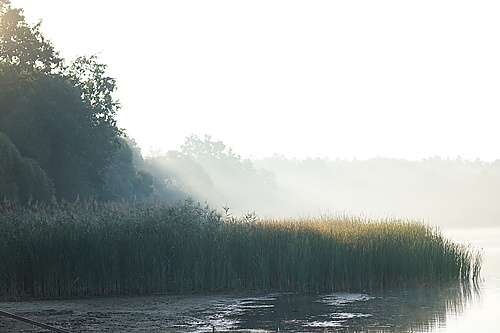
66	250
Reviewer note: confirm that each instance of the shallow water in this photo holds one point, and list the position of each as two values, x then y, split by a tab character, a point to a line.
401	310
446	309
481	313
449	308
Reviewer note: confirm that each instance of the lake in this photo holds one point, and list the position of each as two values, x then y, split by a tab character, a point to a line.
449	308
481	311
452	308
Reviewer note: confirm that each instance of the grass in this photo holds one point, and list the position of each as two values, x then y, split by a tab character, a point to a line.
89	249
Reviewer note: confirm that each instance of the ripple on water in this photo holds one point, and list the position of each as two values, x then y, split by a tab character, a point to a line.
336	299
323	324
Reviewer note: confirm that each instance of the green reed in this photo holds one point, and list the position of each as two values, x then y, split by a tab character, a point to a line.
90	249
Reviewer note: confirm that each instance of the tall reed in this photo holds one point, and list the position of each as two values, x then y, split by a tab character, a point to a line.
90	249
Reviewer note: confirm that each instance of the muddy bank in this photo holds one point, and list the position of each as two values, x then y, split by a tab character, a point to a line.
160	313
422	309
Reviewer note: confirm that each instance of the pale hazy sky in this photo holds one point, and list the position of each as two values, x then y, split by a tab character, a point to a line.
404	79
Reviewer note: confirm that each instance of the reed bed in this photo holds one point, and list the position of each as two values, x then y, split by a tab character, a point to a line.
87	249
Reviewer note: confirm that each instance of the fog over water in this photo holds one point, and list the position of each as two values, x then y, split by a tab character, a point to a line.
443	192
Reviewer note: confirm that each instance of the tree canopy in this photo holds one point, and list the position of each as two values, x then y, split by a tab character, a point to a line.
61	116
22	46
21	179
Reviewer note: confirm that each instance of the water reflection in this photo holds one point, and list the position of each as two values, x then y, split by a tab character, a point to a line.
398	310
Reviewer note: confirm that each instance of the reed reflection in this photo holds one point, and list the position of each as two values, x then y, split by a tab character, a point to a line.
397	310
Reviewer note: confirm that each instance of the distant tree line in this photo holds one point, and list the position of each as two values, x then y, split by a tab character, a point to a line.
442	191
208	170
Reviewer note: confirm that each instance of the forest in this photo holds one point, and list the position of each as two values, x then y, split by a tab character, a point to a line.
59	140
59	137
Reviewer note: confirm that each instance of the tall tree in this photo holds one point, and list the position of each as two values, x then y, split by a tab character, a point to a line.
22	46
61	116
124	179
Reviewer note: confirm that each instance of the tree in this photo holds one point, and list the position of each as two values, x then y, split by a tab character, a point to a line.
96	89
61	116
208	170
21	179
124	179
24	47
49	122
206	149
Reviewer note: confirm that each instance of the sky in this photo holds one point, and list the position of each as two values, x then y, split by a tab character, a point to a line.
337	79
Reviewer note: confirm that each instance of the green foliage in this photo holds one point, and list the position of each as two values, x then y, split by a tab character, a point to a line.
124	179
61	116
21	179
22	46
96	89
90	249
8	153
48	121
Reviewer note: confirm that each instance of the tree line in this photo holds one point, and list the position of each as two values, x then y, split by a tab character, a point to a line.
59	139
437	190
59	136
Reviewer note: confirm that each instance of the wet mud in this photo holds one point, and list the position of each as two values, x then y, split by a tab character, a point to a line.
161	313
